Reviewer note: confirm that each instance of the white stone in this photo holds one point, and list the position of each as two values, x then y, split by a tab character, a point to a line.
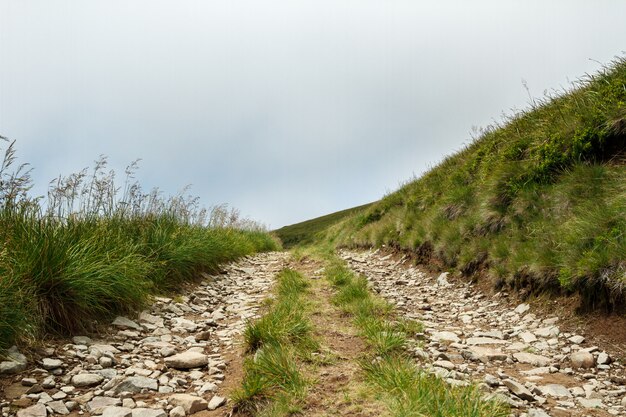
216	402
191	404
86	380
37	410
187	360
117	412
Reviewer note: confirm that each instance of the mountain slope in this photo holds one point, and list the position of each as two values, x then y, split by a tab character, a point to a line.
538	202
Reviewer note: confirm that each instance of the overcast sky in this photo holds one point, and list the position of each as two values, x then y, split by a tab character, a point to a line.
288	109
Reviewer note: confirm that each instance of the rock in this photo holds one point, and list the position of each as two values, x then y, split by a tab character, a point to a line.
582	359
546	332
28	382
485	354
216	402
485	341
117	412
590	403
167	351
49	364
126	323
445	337
442	280
519	390
48	383
177	411
444	364
137	384
577	340
187	360
86	380
148	412
16	362
532	359
521	309
603	358
37	410
98	404
81	340
537	412
190	403
556	391
527	337
35	389
105	362
58	407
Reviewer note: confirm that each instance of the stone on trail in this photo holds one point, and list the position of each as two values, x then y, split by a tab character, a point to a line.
442	280
527	337
485	341
117	412
445	337
531	359
582	359
50	364
98	404
58	407
81	340
577	340
216	402
555	390
603	358
521	309
485	354
86	380
187	360
126	323
136	384
537	412
519	390
190	403
16	362
148	412
177	411
590	402
37	410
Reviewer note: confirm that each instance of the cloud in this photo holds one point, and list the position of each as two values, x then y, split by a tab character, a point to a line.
284	109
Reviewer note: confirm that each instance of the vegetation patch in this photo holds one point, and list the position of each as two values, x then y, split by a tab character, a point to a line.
308	232
406	390
93	250
274	384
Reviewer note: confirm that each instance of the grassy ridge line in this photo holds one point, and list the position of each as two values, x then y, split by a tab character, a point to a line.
537	201
91	254
403	386
273	383
307	232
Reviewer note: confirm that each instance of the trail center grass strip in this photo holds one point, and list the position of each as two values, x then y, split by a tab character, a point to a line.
274	384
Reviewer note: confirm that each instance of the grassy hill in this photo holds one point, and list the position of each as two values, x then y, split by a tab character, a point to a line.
307	232
537	202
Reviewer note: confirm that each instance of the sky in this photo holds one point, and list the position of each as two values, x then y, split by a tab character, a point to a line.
283	109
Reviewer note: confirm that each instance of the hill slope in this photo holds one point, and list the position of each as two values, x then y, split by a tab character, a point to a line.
306	232
538	202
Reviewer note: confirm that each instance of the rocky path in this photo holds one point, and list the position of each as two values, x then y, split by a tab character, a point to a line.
173	359
511	352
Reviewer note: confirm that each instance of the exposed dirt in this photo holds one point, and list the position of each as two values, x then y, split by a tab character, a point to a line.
339	389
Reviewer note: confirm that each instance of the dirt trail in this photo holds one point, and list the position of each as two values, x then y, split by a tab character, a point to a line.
517	354
338	389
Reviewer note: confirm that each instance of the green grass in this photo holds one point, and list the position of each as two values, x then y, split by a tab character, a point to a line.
538	201
90	253
308	231
273	384
406	390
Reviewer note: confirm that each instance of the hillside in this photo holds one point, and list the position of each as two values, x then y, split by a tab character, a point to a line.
536	203
306	232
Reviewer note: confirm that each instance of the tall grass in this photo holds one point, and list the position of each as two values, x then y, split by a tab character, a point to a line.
538	200
92	249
